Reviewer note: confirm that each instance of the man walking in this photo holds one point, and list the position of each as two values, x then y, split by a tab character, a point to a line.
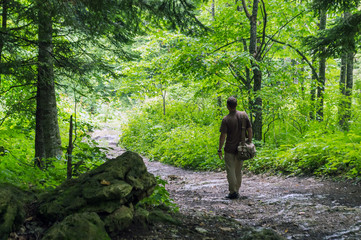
231	134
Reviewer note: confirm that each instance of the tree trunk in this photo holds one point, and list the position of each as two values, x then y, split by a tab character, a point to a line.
341	107
313	94
69	151
219	98
348	90
4	17
164	92
322	74
346	85
257	74
47	136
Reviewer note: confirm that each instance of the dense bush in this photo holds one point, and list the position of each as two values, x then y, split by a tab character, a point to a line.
330	154
187	136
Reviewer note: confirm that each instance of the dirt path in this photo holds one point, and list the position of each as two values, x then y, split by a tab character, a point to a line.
297	208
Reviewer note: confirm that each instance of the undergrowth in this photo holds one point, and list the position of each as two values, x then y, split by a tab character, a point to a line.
188	136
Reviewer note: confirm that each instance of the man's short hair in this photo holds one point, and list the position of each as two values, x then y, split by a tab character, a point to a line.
232	102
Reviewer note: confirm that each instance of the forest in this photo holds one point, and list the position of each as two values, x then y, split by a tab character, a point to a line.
161	71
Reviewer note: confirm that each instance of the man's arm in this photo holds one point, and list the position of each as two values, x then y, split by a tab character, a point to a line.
222	139
250	134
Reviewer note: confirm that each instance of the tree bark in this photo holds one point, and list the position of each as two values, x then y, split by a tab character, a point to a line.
342	83
4	17
348	91
322	74
47	136
69	151
219	98
346	85
313	94
257	74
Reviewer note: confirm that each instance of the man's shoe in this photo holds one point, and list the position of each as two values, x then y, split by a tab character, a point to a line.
234	195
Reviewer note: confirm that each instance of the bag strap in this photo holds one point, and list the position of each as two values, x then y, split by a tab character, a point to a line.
242	121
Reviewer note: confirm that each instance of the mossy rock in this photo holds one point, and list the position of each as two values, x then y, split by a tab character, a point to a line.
261	234
119	220
161	216
12	212
79	226
141	217
120	181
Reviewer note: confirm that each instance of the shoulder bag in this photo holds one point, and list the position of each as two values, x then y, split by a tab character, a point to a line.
245	150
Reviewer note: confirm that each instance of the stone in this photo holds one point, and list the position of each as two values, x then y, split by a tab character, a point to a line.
160	216
122	181
12	213
80	226
141	217
261	234
120	219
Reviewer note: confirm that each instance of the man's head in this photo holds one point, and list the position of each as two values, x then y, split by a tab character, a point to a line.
232	103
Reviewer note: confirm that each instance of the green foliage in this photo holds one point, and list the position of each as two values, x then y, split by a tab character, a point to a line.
17	151
159	198
17	163
186	136
320	153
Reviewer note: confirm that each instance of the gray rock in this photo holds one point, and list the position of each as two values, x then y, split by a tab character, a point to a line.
120	219
80	226
12	213
122	181
261	234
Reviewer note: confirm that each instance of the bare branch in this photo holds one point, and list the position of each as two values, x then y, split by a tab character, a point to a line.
245	9
263	8
15	86
300	53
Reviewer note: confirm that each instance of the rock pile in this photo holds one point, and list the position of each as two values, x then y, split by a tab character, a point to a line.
95	205
108	192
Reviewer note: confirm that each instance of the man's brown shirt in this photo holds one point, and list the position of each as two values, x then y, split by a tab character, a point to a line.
231	126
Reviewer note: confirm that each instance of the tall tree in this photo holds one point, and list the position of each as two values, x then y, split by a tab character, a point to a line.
321	72
339	41
47	135
4	21
59	30
257	73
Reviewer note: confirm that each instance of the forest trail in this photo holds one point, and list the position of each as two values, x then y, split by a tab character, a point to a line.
295	207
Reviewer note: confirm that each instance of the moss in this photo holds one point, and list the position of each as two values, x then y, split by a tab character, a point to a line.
12	212
261	234
80	226
160	216
120	219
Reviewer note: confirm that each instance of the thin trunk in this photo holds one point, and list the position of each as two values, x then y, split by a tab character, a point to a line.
313	94
4	17
348	91
47	136
257	74
322	74
219	98
346	85
163	96
69	151
341	107
248	85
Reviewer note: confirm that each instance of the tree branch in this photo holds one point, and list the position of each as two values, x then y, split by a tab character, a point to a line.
225	46
263	8
15	86
300	53
245	9
236	74
279	30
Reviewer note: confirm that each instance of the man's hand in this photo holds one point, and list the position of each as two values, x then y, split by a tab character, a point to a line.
222	138
220	155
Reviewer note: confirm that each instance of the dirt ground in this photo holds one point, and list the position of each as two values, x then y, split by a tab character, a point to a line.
294	207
